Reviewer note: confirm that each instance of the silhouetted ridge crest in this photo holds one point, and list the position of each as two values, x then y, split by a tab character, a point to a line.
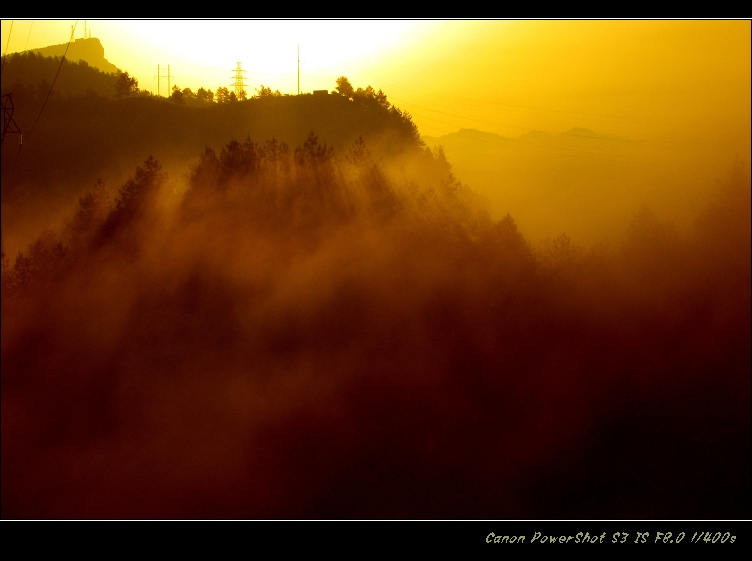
87	50
128	124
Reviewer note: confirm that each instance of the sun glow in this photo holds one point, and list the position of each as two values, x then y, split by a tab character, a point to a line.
641	79
204	53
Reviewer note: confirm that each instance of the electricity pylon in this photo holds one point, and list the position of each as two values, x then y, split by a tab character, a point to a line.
239	84
9	125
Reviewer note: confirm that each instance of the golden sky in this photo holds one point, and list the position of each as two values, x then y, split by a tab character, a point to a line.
686	80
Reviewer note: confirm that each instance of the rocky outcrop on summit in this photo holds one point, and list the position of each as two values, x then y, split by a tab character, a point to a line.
89	50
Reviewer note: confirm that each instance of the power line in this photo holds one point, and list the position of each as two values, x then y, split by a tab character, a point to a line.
467	100
2	67
463	117
476	100
610	138
53	81
26	46
554	151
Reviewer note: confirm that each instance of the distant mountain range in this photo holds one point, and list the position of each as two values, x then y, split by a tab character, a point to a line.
489	137
89	50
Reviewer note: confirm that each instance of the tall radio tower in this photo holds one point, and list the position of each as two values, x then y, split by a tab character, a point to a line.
239	84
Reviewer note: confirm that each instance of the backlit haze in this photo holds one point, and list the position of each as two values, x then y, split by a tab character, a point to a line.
640	79
475	270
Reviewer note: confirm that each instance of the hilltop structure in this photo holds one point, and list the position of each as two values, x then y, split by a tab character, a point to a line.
88	49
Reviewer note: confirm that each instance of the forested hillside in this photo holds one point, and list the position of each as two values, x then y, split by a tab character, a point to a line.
305	335
30	75
88	133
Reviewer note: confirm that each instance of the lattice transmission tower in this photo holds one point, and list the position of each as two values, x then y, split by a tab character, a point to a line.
239	83
9	125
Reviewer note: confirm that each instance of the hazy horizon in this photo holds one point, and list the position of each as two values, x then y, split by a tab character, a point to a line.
659	80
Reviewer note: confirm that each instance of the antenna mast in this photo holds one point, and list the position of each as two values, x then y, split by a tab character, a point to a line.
161	77
298	68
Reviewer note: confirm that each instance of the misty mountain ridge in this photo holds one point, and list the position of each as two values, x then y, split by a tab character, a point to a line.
535	135
581	131
581	182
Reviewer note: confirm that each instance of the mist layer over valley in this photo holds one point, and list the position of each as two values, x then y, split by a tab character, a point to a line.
586	184
293	307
